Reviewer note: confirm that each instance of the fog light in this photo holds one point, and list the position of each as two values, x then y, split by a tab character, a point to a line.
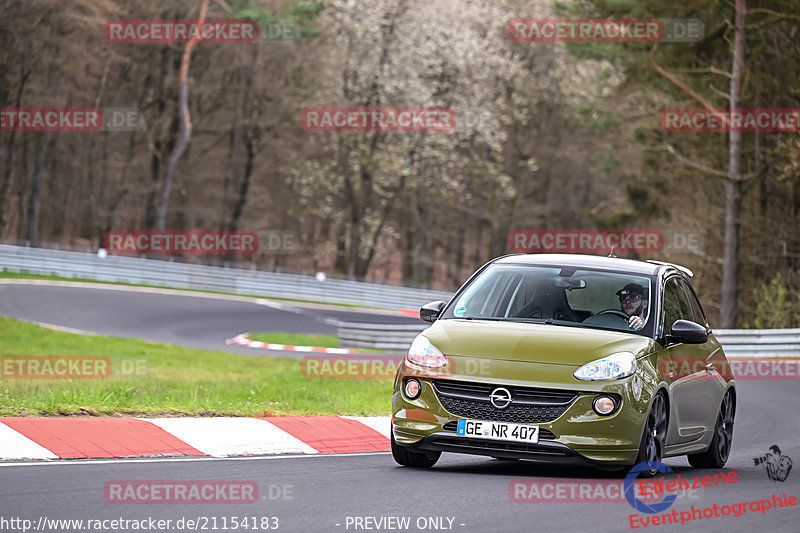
604	405
412	389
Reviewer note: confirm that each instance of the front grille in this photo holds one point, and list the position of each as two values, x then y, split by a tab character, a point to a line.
523	395
529	405
544	434
486	411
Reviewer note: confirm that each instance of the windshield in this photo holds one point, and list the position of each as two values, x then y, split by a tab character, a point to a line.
558	295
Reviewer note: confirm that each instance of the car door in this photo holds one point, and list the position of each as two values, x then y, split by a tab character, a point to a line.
691	386
714	362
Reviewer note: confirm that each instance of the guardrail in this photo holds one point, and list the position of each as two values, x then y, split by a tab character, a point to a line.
759	342
135	270
380	336
735	342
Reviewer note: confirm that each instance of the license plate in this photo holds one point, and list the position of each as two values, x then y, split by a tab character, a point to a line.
483	429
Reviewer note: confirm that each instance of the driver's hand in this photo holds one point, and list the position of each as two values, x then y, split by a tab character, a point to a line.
635	322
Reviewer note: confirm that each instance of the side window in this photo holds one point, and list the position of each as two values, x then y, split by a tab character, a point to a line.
683	300
676	306
697	311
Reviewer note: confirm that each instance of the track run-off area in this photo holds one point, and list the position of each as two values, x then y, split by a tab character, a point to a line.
358	491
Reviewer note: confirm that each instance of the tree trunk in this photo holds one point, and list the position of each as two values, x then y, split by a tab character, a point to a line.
8	176
40	167
159	146
186	124
247	135
340	265
730	255
23	228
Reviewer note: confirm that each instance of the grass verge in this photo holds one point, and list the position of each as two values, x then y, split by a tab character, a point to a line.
177	381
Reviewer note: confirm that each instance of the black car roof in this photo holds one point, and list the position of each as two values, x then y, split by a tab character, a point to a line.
585	261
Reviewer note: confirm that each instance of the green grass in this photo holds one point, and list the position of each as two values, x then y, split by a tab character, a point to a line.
28	275
178	381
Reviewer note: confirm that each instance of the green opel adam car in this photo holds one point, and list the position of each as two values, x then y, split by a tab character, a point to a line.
566	358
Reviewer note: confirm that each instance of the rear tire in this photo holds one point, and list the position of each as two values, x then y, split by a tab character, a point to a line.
720	449
404	456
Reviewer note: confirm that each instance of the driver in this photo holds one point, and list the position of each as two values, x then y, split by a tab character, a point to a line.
634	304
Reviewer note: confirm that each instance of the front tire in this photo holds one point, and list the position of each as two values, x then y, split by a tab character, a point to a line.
651	448
404	456
720	449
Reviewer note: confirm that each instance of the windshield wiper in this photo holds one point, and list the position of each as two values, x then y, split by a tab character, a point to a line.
510	319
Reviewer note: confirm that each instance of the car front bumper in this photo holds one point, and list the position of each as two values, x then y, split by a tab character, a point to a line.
578	435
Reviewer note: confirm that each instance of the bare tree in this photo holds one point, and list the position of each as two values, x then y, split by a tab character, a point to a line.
185	122
731	250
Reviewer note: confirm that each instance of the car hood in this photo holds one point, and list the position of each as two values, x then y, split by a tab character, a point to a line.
540	343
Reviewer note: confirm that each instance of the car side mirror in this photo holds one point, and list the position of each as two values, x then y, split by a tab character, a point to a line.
687	332
431	311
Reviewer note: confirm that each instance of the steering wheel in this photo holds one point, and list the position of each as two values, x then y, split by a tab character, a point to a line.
614	312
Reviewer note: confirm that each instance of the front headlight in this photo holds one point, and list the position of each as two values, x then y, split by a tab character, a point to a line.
614	366
423	353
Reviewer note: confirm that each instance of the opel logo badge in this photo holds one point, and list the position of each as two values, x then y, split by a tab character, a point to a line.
500	398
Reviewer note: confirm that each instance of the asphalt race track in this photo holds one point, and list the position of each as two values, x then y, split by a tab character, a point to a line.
345	492
317	493
196	320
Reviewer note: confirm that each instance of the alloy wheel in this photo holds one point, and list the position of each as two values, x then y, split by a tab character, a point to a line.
655	433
